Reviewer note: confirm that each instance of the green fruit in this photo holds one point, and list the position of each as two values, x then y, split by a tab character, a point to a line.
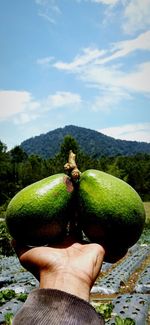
40	212
106	209
110	212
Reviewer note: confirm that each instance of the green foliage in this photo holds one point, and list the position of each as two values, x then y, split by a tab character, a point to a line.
147	210
8	318
21	296
105	309
3	210
126	321
69	143
5	241
8	294
3	148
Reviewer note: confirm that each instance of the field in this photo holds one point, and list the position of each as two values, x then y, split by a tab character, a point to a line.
121	292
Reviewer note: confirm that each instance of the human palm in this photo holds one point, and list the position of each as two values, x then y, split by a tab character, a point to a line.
68	267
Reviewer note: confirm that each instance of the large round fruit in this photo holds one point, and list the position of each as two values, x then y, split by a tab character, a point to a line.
110	212
39	213
105	208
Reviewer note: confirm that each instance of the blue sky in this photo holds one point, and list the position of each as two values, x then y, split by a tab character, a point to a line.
80	62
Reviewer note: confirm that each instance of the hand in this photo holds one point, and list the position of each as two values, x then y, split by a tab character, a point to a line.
71	267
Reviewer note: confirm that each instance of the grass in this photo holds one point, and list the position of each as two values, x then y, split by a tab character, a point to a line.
147	210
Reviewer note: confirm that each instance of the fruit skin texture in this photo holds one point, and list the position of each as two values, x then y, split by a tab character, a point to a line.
110	212
39	213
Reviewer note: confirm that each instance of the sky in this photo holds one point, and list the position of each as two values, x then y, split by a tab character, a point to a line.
79	62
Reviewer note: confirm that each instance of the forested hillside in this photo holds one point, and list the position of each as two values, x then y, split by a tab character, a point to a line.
17	169
93	143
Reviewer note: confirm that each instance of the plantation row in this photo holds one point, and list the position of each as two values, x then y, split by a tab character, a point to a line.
110	283
126	288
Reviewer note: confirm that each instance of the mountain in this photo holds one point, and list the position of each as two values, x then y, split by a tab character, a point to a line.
91	142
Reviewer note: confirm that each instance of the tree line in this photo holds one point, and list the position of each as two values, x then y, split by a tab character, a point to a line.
17	169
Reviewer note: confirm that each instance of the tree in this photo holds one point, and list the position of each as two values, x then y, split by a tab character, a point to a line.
68	144
5	173
3	148
18	154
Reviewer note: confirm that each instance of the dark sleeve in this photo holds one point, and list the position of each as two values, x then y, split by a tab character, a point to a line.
48	306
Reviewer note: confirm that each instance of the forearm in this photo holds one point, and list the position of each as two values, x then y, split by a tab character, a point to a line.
67	282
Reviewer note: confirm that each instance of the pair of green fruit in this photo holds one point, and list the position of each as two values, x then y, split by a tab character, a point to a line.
106	209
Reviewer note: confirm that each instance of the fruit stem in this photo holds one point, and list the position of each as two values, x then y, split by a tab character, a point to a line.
71	167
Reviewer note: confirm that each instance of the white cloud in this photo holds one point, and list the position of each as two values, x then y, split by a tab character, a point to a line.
136	15
137	80
48	9
108	98
25	118
45	61
62	99
123	48
47	17
49	4
134	132
15	102
112	77
89	55
22	108
96	68
95	56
